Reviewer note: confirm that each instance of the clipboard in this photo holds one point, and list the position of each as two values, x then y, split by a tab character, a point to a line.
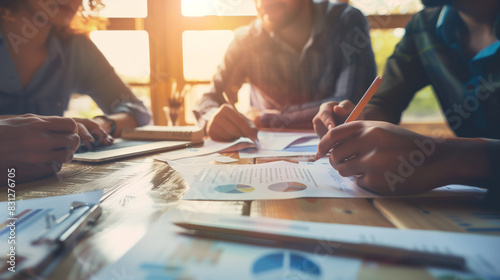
59	235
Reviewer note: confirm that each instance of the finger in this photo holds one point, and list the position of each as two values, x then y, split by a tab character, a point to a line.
326	114
245	127
54	147
337	135
69	142
348	168
85	135
101	137
229	130
227	124
239	123
345	151
61	125
341	112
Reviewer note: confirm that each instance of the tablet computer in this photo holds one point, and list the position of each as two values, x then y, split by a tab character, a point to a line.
122	148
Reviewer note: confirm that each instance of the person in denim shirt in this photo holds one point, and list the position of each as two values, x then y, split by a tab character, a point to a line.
454	46
45	58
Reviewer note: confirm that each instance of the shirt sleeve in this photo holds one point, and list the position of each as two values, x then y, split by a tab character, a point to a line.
228	78
358	68
403	76
100	81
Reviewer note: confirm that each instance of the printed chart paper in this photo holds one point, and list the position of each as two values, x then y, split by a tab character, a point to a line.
165	254
278	180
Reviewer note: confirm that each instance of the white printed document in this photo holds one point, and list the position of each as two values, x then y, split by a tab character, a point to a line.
165	253
269	141
279	180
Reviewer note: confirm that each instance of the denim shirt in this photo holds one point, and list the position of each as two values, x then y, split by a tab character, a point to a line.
336	63
430	53
73	65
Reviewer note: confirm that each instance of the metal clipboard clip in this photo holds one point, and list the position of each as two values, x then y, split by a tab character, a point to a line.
70	227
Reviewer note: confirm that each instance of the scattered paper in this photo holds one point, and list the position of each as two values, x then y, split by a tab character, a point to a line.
274	141
184	257
280	180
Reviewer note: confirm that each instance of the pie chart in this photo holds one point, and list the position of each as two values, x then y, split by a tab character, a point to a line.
285	265
287	187
234	188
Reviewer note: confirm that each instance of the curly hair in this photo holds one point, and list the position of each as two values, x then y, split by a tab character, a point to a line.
85	21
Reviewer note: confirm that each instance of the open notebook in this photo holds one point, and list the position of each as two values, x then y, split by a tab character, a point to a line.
122	148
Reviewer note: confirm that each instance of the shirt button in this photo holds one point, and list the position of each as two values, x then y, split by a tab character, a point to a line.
470	87
58	104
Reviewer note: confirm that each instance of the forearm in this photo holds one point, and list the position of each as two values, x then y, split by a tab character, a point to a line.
467	161
122	120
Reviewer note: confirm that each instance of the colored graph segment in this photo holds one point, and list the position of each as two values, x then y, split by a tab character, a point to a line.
234	188
278	265
287	187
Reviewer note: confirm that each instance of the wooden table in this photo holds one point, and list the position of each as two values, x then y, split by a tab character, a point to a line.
138	190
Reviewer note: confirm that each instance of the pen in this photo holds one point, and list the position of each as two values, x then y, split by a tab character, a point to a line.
365	250
256	140
361	104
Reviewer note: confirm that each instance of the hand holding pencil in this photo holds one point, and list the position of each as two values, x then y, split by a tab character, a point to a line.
228	124
332	114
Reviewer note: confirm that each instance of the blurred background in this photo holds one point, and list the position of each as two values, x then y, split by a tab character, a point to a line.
152	43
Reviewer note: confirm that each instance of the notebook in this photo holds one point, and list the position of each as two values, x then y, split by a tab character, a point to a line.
156	132
122	148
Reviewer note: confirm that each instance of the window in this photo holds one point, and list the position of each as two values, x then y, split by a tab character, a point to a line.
202	51
126	47
196	8
387	7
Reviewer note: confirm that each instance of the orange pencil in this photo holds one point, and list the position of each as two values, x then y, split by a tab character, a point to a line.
364	100
361	105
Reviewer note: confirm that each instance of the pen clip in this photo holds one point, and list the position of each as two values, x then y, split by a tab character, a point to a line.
80	216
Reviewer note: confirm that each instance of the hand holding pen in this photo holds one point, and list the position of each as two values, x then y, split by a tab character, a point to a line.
228	124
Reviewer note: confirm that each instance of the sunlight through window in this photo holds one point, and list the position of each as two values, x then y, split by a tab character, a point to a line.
387	7
127	51
199	8
125	9
203	51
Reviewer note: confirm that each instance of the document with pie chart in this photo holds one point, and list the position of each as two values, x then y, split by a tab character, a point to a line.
277	180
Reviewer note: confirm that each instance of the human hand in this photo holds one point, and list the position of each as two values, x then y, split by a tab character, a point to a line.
36	146
388	159
227	124
92	134
332	114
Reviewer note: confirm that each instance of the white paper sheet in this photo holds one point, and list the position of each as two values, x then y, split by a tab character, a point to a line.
274	141
279	180
208	147
254	153
165	254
